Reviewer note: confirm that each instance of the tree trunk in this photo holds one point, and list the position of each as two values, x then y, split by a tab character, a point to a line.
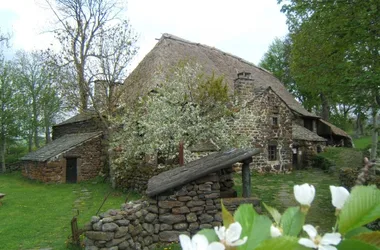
375	134
325	108
30	141
359	125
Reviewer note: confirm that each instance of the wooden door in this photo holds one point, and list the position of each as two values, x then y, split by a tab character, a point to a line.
71	170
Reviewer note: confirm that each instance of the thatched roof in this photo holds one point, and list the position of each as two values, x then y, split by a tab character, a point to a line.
303	134
170	50
60	146
78	118
197	169
334	129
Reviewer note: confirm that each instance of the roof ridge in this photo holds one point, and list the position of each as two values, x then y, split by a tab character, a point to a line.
177	38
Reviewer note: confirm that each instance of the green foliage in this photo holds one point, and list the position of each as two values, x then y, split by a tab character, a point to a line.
228	219
319	161
334	46
351	244
274	212
362	207
285	242
292	221
255	226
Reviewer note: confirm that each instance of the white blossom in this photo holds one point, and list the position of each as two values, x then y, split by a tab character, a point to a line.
339	196
304	194
316	241
198	242
275	231
231	235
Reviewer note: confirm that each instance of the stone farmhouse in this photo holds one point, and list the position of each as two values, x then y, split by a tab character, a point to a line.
286	134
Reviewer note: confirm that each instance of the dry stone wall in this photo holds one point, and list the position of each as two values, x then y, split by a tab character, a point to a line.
145	223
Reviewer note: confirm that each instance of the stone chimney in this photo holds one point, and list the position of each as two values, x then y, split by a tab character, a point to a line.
243	85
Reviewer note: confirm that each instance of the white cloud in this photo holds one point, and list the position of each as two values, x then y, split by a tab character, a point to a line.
241	27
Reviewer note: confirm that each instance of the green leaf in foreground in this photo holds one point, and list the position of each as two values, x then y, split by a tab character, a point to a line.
210	234
274	212
255	227
281	243
227	216
372	238
292	221
355	245
362	207
357	231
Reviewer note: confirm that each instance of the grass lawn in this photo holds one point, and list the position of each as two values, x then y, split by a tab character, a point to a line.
277	191
36	215
363	142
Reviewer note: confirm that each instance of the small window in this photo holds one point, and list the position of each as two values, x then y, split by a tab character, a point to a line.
275	109
272	152
275	121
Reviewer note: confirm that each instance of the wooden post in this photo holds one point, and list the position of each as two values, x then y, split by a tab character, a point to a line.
246	175
181	160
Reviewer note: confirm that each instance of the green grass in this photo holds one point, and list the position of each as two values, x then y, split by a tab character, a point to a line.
276	190
363	142
36	215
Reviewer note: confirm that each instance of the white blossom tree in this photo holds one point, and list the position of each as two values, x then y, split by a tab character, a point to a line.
185	107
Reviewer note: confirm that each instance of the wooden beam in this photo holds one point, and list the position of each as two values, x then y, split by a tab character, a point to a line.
196	169
246	175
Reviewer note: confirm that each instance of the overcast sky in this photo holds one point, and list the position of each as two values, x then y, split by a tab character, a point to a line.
242	27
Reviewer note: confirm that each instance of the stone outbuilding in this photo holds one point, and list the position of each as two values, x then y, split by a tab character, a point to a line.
75	154
182	200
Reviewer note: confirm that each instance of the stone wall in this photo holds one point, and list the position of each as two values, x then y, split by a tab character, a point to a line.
89	163
49	172
136	177
145	223
258	108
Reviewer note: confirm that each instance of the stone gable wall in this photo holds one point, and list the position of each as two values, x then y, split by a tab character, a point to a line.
88	126
255	120
89	164
145	223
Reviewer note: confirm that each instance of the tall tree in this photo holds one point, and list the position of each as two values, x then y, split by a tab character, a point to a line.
336	48
37	80
9	107
86	29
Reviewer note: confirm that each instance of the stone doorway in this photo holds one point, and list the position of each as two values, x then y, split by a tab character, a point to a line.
71	170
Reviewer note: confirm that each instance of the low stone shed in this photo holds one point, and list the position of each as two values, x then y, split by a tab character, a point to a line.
182	200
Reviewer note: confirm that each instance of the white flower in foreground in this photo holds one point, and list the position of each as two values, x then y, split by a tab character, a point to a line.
316	241
339	196
231	236
198	242
275	231
304	194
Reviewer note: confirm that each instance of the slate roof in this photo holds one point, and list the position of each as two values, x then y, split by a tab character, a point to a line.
170	50
60	146
303	134
197	169
335	130
78	118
